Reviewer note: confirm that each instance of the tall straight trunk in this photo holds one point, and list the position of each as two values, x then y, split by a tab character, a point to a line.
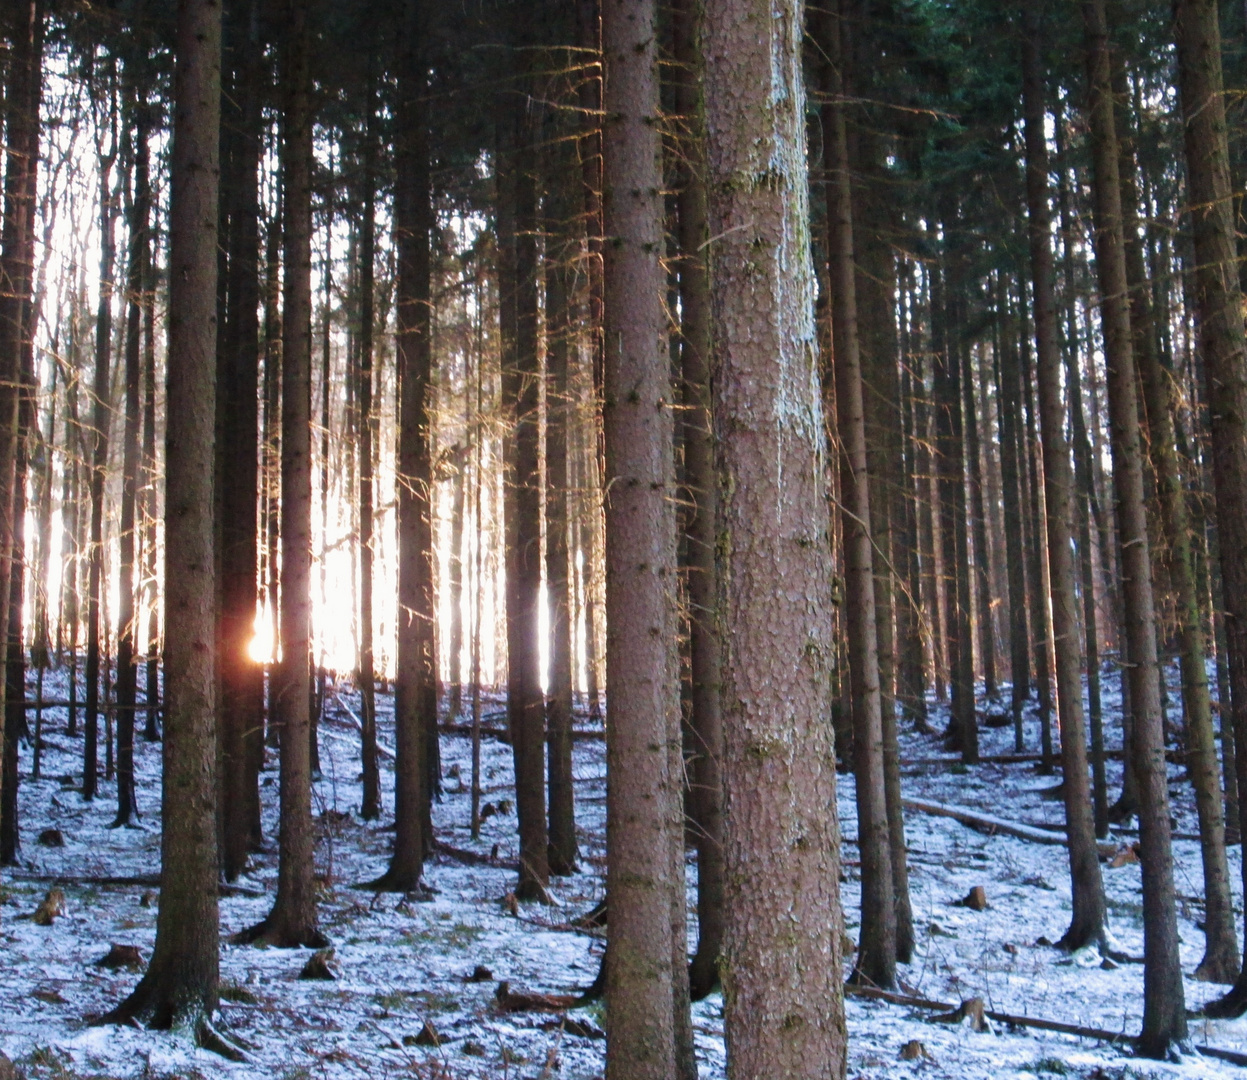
589	40
1037	592
97	439
781	834
71	549
292	921
127	669
179	988
415	704
371	806
911	611
561	242
272	457
963	728
241	708
1164	1013
978	526
645	865
700	521
1087	919
1219	300
525	700
454	635
22	100
875	962
1008	385
1084	488
928	524
151	730
1220	962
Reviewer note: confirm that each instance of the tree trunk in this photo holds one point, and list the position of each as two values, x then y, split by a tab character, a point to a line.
292	921
415	701
875	962
978	524
151	731
561	245
1164	1013
1087	920
644	877
97	439
371	806
1224	352
127	670
179	988
700	522
781	837
1009	395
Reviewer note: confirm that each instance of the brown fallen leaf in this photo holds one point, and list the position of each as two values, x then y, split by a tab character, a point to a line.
51	908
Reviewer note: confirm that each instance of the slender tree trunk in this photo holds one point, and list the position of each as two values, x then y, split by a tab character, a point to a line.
561	242
273	335
1087	920
1224	352
1164	1013
151	731
179	988
700	522
978	525
97	438
371	807
1009	396
292	921
781	895
875	962
127	669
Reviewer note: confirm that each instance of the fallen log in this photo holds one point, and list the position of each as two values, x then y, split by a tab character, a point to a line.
993	824
149	881
1234	1057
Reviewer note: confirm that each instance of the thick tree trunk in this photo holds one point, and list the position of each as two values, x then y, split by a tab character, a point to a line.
1164	1014
644	834
1224	352
875	962
1087	920
179	988
781	844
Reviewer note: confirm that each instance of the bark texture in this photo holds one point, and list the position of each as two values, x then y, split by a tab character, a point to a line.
781	836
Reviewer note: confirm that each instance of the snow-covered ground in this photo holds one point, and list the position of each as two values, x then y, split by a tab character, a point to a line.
401	964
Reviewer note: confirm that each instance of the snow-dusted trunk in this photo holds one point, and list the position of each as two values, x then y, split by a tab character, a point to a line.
781	834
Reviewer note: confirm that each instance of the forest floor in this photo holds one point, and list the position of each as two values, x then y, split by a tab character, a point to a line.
400	963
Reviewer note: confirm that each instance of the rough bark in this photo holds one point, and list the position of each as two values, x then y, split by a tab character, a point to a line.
781	844
643	803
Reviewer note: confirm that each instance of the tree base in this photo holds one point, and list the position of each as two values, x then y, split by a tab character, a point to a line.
270	932
1230	1006
1218	969
154	1005
703	976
